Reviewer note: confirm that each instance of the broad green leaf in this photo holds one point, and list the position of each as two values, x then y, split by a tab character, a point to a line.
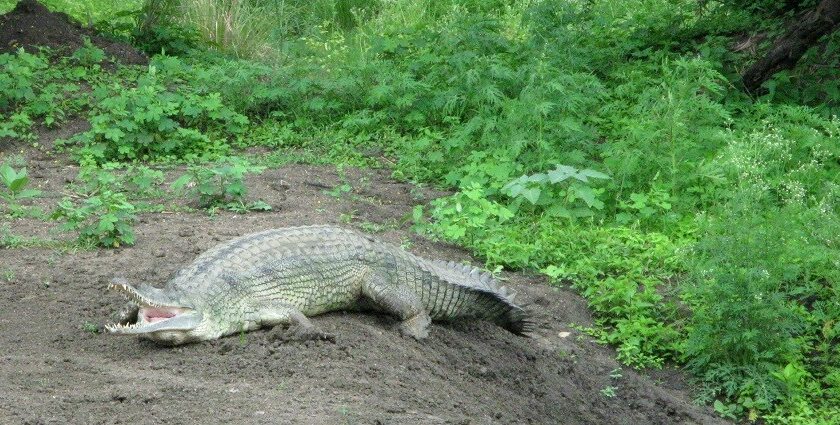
8	174
587	194
594	174
557	210
638	198
259	206
504	214
19	183
561	173
27	193
531	194
581	212
106	223
113	134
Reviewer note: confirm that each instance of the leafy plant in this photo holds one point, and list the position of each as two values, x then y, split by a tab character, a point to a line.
151	121
8	275
89	54
90	328
561	192
17	78
15	182
221	185
105	219
467	214
609	391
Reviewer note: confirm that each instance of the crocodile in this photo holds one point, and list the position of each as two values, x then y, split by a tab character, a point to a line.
283	276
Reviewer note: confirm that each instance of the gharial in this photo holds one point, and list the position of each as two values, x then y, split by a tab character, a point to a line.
281	276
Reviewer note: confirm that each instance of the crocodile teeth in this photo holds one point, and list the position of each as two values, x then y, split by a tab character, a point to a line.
130	293
116	327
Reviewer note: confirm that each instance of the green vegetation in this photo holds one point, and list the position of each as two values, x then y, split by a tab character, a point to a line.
104	219
14	182
151	122
608	145
90	327
13	190
221	186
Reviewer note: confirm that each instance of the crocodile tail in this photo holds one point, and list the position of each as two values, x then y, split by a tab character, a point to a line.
490	300
505	313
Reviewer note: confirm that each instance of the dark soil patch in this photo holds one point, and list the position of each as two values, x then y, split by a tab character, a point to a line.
30	25
53	369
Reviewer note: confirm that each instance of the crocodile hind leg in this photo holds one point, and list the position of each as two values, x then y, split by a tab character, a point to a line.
399	301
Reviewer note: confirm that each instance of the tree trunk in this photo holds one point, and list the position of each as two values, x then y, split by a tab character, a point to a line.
790	47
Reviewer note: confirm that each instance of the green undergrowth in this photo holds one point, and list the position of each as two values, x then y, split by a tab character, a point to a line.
607	145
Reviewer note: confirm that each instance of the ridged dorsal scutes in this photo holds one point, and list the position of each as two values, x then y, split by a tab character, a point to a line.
471	277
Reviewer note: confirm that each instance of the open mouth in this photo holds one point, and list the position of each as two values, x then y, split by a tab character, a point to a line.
152	315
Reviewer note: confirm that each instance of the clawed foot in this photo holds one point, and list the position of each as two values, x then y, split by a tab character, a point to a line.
303	333
300	333
416	327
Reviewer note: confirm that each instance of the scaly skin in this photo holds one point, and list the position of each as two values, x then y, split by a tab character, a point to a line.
281	276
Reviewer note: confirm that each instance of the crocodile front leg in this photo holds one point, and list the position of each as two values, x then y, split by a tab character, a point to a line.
301	328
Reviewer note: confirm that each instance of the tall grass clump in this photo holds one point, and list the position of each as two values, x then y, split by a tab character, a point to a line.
237	26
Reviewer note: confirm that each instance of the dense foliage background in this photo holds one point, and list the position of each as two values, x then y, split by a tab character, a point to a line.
608	145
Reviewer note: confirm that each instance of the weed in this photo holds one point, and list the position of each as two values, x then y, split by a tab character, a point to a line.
342	189
339	190
12	241
221	185
105	219
347	218
406	243
90	327
562	192
15	182
243	338
88	55
152	121
8	275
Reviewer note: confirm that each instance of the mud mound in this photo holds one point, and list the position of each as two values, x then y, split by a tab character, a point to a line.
54	367
31	24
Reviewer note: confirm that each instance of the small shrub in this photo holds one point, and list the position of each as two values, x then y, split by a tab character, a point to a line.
17	78
15	182
105	219
88	55
563	192
151	122
221	185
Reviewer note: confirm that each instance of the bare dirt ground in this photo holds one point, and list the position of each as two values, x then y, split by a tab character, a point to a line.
30	26
52	370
